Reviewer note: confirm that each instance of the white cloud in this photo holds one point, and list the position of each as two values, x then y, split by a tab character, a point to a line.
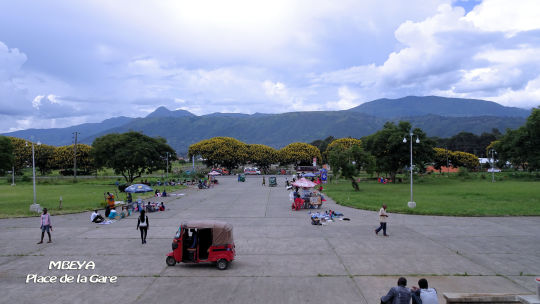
37	101
262	56
53	98
347	99
11	61
506	16
456	54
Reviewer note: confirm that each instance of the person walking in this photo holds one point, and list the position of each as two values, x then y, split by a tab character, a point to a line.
264	181
45	226
382	219
142	225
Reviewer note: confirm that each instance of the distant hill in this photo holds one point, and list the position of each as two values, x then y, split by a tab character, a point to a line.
437	116
425	105
64	136
163	112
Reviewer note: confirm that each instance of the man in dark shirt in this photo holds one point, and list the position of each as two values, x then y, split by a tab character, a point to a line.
398	294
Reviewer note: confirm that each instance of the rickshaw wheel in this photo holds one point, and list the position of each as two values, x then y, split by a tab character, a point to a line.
222	264
170	261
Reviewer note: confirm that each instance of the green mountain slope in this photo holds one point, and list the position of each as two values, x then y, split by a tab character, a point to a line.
425	105
437	116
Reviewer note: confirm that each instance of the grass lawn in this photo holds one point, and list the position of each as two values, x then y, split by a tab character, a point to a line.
76	197
443	196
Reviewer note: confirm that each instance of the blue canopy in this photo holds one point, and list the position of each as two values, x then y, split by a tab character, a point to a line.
138	188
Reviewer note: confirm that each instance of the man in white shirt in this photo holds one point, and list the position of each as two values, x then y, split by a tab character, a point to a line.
96	217
424	294
382	219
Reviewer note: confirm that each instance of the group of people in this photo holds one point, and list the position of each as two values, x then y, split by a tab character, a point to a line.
303	200
142	219
400	294
160	194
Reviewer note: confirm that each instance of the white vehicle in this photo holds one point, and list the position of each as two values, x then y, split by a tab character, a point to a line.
252	171
493	170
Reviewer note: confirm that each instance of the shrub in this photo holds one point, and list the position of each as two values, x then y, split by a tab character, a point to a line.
463	172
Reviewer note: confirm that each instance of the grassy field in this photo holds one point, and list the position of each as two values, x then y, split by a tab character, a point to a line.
84	195
444	196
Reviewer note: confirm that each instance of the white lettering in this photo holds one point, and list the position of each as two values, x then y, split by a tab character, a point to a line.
90	265
53	264
30	277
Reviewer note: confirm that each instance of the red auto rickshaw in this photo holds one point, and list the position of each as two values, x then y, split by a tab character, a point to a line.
203	241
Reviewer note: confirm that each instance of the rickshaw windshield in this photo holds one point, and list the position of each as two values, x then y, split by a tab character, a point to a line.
178	233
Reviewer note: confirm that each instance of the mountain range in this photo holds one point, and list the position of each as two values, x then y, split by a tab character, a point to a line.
437	116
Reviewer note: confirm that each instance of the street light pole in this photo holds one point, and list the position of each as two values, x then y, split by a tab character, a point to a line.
411	203
34	172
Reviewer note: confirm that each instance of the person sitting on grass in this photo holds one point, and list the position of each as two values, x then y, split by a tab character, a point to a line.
96	217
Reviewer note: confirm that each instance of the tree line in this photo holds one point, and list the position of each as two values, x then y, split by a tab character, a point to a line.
230	153
132	154
129	154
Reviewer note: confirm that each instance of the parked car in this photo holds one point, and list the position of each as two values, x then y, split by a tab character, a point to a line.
252	171
223	171
493	170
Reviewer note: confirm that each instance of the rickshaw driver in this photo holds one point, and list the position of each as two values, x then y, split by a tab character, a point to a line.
193	248
194	239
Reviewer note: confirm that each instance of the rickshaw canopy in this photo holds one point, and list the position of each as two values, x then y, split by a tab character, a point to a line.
221	231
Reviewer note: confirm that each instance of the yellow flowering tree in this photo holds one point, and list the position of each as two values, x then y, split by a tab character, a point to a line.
299	154
263	156
225	152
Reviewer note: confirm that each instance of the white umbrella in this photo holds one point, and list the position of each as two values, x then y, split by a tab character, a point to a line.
304	183
213	173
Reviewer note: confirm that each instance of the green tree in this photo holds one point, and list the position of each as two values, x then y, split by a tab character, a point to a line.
532	127
22	153
299	154
225	152
63	158
131	154
441	158
392	154
322	145
6	154
464	159
44	158
262	156
347	156
521	146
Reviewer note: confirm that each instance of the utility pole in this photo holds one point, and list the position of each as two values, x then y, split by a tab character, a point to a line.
75	156
13	175
492	166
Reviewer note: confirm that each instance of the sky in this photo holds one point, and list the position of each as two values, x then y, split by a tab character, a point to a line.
64	63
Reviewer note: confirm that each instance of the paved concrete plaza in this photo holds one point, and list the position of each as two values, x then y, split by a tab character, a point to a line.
281	257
